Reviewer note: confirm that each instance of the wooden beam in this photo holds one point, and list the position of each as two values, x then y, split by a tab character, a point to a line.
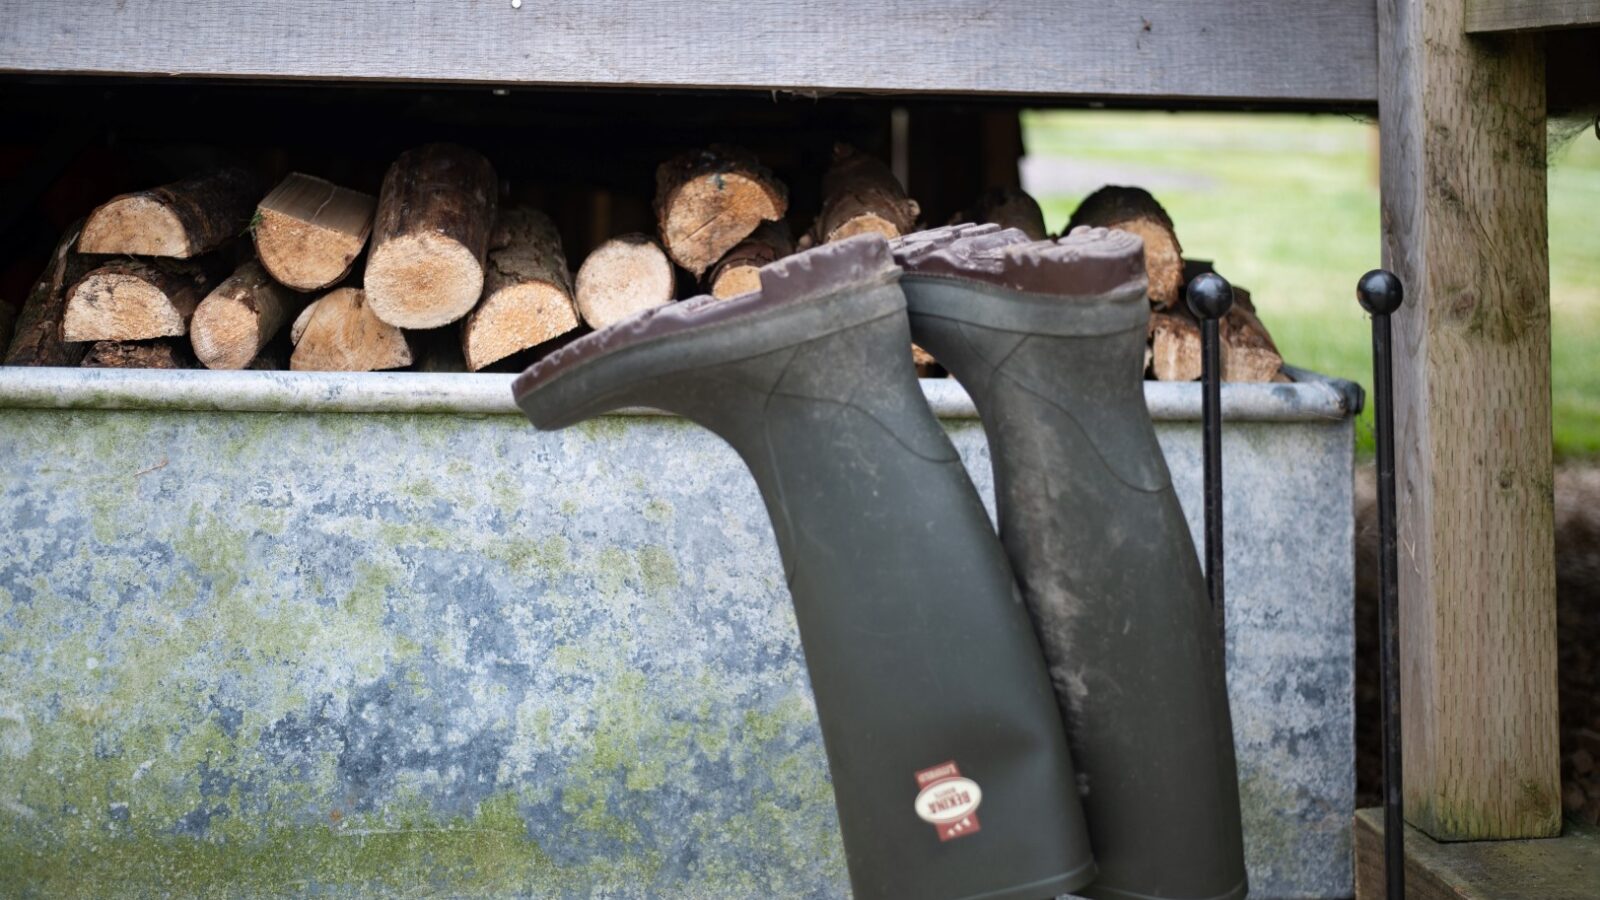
1463	153
1488	16
1292	51
1566	868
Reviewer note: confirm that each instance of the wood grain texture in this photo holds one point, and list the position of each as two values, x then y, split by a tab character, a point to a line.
1285	50
1464	222
1485	16
36	338
1566	868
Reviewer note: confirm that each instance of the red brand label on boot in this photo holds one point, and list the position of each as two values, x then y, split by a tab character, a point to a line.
947	801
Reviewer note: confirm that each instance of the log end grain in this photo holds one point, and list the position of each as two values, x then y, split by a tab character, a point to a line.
1136	211
138	225
621	277
302	256
515	318
736	280
1174	346
114	304
709	215
339	333
423	280
233	322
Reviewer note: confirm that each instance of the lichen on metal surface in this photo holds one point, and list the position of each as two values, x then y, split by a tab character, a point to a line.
250	653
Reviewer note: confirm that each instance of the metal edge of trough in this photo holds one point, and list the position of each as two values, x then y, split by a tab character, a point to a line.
1309	398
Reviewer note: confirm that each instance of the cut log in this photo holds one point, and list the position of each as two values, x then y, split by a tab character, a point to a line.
527	291
139	299
709	200
36	339
1248	353
1174	345
164	353
308	232
1194	268
1133	209
339	333
240	316
739	271
183	219
861	196
621	277
430	236
1008	208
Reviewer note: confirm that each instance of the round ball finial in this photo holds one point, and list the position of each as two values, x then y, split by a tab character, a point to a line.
1380	292
1210	296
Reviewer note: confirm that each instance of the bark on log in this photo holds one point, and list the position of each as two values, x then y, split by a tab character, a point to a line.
621	277
1134	210
182	220
1174	345
527	291
1008	208
739	271
240	316
340	333
164	353
139	299
861	196
309	231
709	200
430	236
36	339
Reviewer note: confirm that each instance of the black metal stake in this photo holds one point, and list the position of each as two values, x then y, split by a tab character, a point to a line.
1210	297
1380	294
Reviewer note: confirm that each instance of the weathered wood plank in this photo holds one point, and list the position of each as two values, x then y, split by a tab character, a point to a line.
1307	51
1485	16
1463	149
1565	868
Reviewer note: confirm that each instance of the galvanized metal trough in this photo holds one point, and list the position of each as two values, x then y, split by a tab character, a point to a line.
266	633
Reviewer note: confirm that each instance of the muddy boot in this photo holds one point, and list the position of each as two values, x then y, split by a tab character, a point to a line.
1048	338
949	762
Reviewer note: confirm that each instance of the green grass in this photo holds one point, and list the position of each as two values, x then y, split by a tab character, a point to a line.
1287	205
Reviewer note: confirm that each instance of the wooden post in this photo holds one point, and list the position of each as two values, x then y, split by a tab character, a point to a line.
1464	219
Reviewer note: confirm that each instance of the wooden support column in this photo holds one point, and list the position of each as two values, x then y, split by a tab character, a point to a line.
1464	226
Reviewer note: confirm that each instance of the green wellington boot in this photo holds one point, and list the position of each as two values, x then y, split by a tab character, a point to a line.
949	761
1048	338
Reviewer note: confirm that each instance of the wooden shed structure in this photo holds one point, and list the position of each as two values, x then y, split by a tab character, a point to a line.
1461	88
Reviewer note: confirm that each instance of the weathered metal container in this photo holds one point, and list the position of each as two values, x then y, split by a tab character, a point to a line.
280	633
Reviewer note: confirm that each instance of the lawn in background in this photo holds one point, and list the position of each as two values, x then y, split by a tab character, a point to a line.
1287	205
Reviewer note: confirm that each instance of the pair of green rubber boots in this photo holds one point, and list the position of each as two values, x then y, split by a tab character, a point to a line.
1038	713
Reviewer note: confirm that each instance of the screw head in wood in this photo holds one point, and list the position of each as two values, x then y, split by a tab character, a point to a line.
1380	292
1210	296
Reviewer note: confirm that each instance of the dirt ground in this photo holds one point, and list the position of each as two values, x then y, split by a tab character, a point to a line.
1578	638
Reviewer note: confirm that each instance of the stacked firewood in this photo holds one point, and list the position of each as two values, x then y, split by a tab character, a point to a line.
433	274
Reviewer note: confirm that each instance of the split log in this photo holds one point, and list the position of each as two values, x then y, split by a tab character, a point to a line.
861	196
1008	208
240	316
430	236
1175	345
164	353
739	271
182	220
621	277
308	232
709	200
1248	353
36	339
1194	268
139	299
340	333
527	291
1134	210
